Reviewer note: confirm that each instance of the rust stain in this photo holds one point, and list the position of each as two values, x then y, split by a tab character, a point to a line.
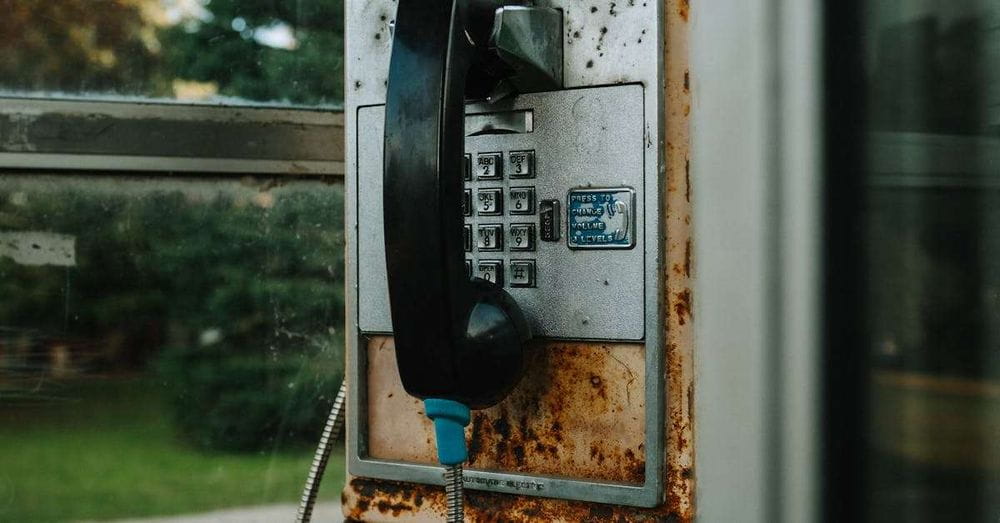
576	389
572	396
687	258
368	500
684	9
379	500
682	306
687	182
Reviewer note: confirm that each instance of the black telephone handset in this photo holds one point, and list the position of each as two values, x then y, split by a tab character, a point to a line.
456	339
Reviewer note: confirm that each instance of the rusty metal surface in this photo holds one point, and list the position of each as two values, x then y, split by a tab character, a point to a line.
579	412
679	266
380	500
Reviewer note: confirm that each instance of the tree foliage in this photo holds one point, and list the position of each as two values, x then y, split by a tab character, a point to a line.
79	46
141	47
223	49
234	295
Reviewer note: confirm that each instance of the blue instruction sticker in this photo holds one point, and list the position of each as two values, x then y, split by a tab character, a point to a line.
601	218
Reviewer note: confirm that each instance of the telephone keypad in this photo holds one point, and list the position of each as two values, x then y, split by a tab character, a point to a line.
501	216
522	200
491	270
522	164
489	166
489	202
522	237
522	273
490	238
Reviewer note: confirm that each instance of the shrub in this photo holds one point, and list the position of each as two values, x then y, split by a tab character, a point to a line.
225	399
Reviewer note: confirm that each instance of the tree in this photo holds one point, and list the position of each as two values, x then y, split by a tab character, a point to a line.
228	45
244	286
80	46
260	50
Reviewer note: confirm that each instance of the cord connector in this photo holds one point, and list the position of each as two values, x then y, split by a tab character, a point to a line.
450	418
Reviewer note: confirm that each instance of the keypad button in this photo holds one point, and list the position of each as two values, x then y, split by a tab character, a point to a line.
522	237
468	268
522	273
489	166
468	167
467	203
489	202
468	238
491	270
489	237
522	200
521	164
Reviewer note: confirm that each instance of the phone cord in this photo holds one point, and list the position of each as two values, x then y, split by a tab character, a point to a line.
334	422
453	493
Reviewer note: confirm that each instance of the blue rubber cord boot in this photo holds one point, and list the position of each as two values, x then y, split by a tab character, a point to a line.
450	418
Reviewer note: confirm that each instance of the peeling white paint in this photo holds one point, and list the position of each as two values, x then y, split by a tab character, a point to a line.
38	248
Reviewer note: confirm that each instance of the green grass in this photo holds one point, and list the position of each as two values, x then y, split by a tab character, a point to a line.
106	449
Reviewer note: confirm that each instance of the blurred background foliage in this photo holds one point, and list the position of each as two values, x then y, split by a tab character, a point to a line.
209	50
231	293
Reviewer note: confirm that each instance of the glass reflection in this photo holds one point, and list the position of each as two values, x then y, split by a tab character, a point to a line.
932	210
166	346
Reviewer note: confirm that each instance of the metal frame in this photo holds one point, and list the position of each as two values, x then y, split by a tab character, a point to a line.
617	65
148	136
758	223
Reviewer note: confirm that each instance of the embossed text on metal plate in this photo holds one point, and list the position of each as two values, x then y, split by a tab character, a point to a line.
601	218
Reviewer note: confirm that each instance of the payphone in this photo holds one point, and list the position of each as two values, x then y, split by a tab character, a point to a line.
504	176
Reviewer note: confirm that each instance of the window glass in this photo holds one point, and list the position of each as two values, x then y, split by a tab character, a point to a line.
167	346
215	51
932	215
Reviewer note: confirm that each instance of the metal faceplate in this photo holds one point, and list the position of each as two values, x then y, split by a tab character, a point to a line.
588	152
601	134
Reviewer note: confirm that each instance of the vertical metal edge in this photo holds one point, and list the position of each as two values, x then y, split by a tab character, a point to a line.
676	236
758	222
729	161
356	411
800	232
654	169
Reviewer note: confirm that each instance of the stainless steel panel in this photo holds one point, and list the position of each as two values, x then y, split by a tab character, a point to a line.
581	138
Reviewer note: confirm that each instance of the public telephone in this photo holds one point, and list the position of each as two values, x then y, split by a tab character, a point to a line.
503	187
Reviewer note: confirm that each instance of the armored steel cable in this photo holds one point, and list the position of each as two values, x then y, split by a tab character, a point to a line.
455	500
331	430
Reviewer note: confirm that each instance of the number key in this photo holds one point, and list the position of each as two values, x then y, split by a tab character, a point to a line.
489	237
522	200
489	166
489	202
491	270
522	164
522	237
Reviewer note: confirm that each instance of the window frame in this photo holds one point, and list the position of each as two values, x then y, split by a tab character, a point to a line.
153	136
